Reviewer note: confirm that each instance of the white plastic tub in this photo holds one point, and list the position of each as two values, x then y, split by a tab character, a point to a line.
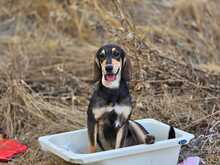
72	146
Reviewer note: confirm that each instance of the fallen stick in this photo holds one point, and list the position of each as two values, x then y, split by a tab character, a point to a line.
202	119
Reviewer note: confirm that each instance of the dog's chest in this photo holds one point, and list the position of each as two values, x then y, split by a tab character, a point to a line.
118	109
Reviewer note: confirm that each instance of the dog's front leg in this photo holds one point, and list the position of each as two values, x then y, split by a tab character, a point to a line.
93	118
120	136
93	133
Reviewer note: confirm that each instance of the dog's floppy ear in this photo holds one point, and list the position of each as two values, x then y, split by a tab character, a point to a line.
126	69
97	70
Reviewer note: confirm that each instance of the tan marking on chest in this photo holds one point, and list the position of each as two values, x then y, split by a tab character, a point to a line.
98	112
119	109
123	109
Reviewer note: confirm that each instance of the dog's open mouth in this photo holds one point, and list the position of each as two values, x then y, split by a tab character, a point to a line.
111	76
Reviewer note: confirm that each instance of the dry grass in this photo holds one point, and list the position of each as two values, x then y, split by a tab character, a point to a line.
47	48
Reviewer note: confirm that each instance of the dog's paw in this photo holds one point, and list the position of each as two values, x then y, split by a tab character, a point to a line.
149	139
92	149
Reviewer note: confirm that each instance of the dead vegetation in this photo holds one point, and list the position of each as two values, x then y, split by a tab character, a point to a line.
47	50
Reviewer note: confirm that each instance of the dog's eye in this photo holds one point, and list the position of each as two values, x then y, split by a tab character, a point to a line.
116	54
102	55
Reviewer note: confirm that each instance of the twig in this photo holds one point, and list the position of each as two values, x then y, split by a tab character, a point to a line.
202	119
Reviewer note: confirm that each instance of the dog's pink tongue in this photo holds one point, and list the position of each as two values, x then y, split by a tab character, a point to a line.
110	77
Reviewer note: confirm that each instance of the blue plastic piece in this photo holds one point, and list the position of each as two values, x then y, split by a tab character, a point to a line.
183	141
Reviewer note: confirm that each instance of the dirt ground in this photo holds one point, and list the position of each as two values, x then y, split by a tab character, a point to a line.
46	67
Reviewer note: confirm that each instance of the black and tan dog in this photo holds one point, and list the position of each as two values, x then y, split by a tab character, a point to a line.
110	108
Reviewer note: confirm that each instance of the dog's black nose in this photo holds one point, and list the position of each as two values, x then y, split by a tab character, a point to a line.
109	68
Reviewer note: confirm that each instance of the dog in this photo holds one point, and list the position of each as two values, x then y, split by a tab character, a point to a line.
109	111
110	105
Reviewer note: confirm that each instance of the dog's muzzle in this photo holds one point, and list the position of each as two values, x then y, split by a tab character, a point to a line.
109	76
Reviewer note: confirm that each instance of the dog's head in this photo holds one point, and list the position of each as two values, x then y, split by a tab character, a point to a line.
111	66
